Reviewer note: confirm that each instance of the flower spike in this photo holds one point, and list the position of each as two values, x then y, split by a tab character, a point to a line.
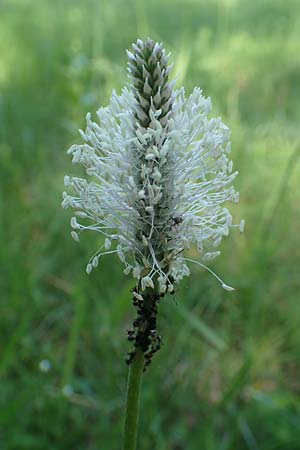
158	176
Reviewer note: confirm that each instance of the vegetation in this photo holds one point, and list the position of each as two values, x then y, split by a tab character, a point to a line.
227	376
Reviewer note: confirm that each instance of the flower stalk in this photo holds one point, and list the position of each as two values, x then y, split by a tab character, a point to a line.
133	401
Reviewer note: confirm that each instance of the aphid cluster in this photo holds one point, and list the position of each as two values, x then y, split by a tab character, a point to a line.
143	333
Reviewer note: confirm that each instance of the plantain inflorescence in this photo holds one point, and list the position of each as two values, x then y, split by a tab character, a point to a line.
157	176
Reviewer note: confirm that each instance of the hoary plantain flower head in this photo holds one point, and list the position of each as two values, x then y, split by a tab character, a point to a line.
157	175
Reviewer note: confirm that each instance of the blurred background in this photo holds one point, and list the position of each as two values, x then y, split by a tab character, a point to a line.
228	374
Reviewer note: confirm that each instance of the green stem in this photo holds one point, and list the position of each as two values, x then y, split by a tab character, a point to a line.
133	400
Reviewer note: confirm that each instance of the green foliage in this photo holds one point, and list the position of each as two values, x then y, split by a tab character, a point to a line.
227	376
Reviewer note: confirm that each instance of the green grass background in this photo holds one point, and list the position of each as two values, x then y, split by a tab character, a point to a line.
228	374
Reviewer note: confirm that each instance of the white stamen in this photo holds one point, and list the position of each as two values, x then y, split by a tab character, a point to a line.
224	286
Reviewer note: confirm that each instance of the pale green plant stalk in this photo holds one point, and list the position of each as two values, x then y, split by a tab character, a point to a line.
133	401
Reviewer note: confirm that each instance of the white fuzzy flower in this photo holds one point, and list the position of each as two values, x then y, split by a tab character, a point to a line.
157	175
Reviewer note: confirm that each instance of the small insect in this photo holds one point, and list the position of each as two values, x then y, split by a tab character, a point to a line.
176	221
